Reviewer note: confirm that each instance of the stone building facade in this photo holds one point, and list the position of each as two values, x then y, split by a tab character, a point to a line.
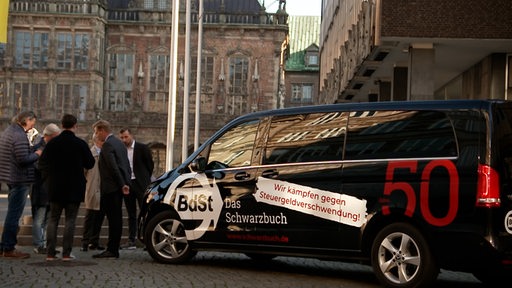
109	60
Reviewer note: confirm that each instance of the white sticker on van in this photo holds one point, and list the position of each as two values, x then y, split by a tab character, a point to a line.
508	222
337	207
196	203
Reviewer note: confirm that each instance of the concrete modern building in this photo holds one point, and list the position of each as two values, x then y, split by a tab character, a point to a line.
110	60
387	50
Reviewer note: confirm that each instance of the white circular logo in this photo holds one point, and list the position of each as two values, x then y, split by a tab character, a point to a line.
196	203
508	222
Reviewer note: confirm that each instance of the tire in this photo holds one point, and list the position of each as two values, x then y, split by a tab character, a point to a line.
166	241
402	258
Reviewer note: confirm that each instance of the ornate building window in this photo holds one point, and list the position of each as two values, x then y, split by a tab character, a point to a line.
31	96
64	46
72	51
119	94
158	91
31	50
156	4
207	90
238	74
312	59
311	56
238	71
71	98
81	52
302	93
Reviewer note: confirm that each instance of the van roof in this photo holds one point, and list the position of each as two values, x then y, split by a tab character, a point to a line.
393	105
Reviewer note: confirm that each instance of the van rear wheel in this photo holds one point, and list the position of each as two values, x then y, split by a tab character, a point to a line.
166	241
401	257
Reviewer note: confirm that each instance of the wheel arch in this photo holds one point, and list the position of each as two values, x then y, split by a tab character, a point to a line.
155	208
378	221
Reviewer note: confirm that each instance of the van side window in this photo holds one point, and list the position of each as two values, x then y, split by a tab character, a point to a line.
234	148
399	134
306	138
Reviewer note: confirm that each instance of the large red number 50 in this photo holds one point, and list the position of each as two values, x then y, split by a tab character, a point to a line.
453	197
391	186
408	190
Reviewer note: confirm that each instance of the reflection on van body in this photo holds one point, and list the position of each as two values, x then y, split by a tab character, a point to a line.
406	187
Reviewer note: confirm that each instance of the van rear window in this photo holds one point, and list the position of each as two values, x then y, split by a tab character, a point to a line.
399	134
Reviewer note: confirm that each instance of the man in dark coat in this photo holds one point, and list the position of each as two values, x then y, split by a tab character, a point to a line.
17	170
62	167
141	163
114	183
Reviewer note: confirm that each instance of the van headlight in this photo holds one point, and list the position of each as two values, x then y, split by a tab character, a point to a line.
153	195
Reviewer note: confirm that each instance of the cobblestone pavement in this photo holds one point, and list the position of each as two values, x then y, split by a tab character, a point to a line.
135	268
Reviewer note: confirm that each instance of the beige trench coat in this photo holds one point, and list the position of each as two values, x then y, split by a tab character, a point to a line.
92	188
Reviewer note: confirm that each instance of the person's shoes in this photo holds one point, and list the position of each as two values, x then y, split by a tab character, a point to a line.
44	250
51	258
70	257
130	245
106	255
96	247
40	250
16	254
84	248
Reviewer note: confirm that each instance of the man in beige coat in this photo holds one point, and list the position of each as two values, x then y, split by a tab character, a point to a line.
94	216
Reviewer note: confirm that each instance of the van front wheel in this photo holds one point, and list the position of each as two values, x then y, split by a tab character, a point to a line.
166	240
401	257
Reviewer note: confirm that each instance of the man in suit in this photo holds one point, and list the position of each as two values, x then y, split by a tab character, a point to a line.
141	163
115	180
62	167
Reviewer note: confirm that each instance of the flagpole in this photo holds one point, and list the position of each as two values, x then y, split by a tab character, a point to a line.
171	107
198	78
186	85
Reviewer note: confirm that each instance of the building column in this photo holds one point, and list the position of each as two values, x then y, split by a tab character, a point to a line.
421	71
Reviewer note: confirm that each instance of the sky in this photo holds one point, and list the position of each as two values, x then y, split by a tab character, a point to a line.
296	7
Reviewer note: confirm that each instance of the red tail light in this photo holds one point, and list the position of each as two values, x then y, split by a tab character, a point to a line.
488	193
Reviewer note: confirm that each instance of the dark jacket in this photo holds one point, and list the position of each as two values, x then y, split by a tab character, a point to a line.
142	166
114	166
62	167
16	157
38	194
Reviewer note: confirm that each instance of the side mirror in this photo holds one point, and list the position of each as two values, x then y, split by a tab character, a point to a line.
198	164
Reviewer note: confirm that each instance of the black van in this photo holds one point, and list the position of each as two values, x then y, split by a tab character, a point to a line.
406	187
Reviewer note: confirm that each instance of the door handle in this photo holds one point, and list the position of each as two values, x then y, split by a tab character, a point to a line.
269	173
242	176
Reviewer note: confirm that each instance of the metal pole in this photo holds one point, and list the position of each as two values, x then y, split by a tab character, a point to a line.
173	59
198	78
186	88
